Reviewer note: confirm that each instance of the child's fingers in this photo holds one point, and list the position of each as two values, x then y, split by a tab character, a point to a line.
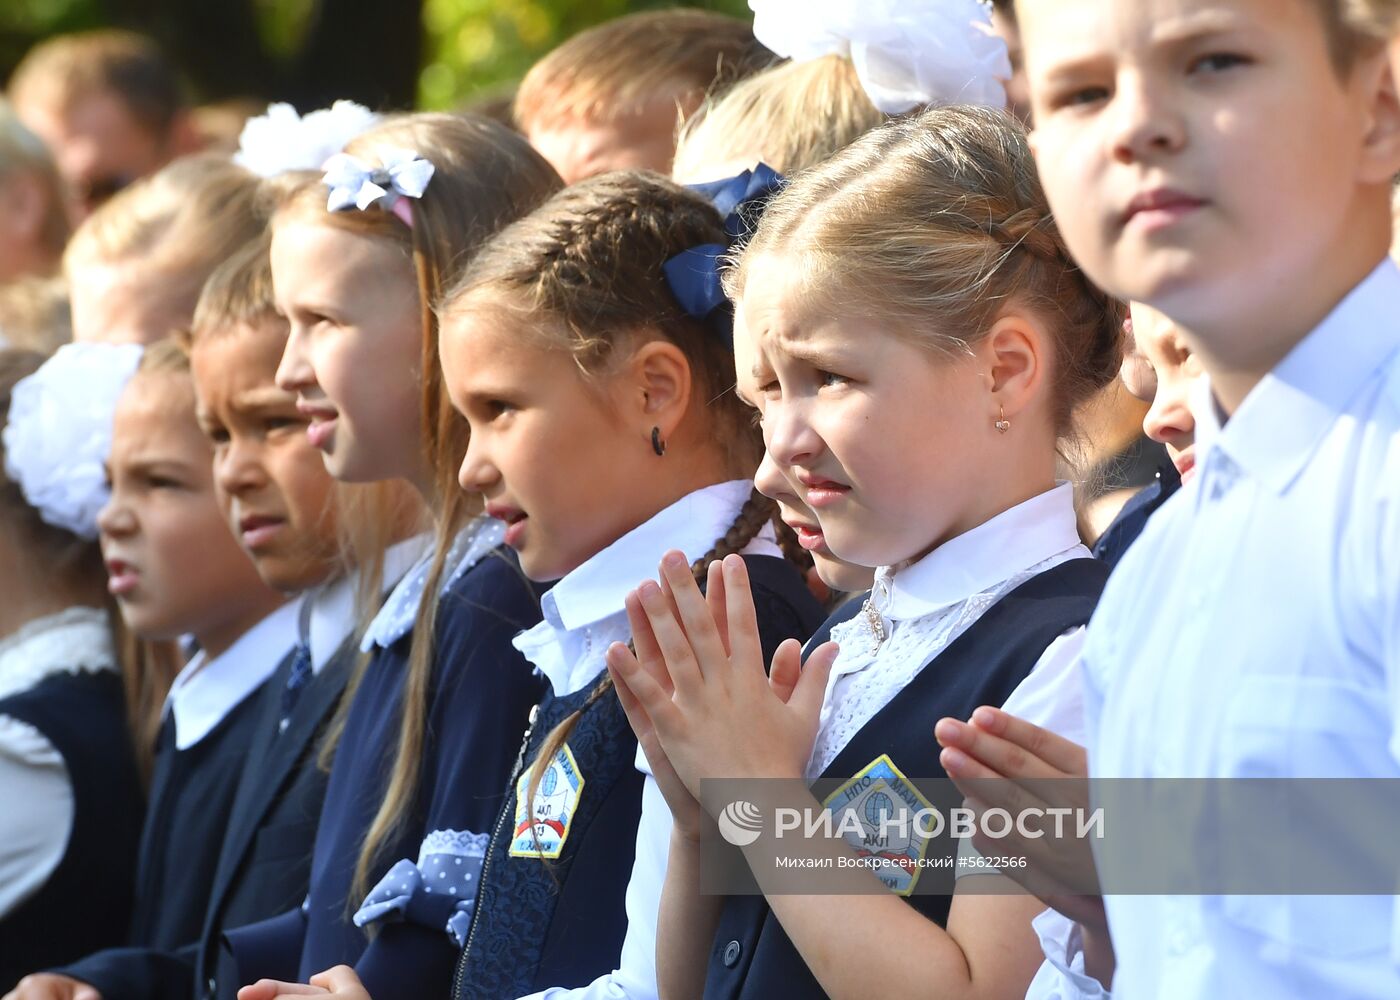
810	690
744	644
693	612
343	982
675	648
1060	753
271	989
620	669
1002	757
651	703
976	781
786	670
648	653
715	601
643	640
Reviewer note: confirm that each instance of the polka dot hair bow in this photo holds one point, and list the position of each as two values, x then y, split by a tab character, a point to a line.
354	183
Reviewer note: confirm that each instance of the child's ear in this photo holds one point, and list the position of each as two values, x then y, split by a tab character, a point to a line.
660	381
1380	160
1014	353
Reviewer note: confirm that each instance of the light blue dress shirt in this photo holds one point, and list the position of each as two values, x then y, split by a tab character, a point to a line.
1254	631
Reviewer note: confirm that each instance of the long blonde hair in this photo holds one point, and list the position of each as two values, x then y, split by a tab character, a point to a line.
935	223
485	177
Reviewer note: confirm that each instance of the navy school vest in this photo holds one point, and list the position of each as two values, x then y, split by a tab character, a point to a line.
752	958
560	921
86	903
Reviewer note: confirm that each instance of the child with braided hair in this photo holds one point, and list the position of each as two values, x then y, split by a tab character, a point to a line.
604	432
915	338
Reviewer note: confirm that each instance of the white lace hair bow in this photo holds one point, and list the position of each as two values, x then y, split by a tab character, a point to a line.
356	184
58	435
282	140
907	53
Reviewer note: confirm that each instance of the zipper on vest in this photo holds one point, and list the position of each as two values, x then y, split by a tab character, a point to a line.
491	850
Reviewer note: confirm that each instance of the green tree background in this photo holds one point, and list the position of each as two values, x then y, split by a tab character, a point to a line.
390	53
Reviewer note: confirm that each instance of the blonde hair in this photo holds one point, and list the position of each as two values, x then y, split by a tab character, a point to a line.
59	72
35	314
609	70
180	223
23	152
585	269
935	224
485	177
791	116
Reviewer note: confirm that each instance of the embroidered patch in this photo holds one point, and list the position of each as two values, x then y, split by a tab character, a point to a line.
881	803
541	833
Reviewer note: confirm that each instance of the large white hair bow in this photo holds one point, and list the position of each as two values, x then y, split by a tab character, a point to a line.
907	53
283	140
354	183
58	436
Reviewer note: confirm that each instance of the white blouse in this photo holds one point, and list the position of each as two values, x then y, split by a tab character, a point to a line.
917	611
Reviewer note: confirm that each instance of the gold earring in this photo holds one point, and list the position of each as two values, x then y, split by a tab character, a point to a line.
1003	425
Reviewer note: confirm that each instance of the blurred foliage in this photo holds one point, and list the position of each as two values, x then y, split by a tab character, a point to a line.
473	49
23	22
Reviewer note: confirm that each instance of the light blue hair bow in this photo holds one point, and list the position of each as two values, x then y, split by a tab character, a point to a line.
354	183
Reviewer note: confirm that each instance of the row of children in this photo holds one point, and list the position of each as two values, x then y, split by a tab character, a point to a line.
432	371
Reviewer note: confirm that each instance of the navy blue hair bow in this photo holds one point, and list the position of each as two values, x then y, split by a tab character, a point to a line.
694	274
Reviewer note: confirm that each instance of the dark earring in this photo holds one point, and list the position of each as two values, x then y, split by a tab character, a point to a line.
657	445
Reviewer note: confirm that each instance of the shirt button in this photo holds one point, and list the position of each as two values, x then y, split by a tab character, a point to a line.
732	951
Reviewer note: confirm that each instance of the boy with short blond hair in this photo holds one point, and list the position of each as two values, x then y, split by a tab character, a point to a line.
613	96
1229	163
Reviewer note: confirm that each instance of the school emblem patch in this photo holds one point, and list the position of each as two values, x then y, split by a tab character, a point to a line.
881	804
542	826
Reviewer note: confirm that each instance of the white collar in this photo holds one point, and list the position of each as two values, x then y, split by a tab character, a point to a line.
75	640
980	558
395	619
206	690
592	595
596	588
1284	418
327	617
328	613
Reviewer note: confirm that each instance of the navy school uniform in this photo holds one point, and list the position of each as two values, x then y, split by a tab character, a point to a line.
203	743
480	697
561	921
752	957
1133	517
78	707
265	855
